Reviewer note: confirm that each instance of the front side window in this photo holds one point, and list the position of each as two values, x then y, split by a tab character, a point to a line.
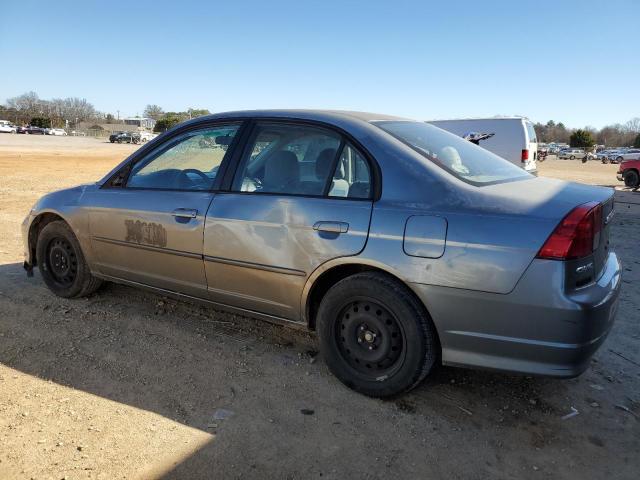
189	163
288	159
459	157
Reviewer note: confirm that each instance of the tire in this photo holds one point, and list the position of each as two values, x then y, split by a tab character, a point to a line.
376	337
631	179
605	160
62	264
572	157
619	159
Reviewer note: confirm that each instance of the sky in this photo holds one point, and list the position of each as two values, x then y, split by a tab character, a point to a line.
575	61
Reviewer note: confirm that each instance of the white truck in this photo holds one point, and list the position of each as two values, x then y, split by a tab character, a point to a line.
514	138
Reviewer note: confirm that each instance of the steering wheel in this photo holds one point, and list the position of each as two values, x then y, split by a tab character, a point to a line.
184	176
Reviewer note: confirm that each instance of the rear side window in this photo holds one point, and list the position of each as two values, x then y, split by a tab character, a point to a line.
532	132
302	160
352	177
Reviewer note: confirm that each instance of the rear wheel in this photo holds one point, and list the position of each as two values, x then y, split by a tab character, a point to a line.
619	159
631	179
572	157
62	264
375	335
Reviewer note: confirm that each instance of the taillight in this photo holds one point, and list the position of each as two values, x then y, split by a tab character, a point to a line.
525	155
577	235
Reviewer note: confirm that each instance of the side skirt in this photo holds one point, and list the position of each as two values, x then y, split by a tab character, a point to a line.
181	296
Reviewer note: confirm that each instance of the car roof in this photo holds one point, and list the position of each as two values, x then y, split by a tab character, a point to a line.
303	114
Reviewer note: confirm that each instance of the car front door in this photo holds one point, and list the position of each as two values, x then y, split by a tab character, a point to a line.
301	196
147	223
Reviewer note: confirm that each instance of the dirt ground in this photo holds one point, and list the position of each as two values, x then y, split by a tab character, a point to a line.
127	384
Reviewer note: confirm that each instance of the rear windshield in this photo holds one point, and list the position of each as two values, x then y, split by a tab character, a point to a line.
459	157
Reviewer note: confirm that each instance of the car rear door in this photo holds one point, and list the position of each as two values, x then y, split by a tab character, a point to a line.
147	223
301	196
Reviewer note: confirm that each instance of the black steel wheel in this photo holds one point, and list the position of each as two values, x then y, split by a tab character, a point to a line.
61	262
376	336
369	338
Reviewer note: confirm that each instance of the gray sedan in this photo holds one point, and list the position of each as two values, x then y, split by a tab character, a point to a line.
402	245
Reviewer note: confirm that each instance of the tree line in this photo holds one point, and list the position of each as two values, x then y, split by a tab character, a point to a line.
29	108
616	135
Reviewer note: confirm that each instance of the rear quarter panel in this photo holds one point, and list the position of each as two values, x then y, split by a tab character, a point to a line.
483	251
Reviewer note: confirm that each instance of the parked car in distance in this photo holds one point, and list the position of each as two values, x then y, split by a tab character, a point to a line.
622	155
7	127
114	136
514	138
56	131
571	153
126	137
400	243
30	130
146	136
629	173
603	155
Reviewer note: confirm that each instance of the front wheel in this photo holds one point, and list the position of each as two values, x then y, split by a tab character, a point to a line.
376	337
631	179
62	264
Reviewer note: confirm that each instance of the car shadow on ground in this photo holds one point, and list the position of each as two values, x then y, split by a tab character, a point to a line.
183	361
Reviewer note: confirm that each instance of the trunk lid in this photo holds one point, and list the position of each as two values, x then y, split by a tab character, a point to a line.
548	201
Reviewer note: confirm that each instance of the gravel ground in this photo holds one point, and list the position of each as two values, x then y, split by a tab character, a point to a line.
127	384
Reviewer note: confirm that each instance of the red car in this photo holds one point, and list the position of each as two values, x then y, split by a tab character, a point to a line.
629	172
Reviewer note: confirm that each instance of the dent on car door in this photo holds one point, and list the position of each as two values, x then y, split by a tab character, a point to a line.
300	197
150	229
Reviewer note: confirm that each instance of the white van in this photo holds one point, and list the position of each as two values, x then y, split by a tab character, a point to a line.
514	137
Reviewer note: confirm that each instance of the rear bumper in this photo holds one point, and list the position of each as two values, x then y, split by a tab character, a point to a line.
537	329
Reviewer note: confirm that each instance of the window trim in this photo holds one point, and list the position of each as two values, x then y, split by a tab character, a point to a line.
170	139
375	177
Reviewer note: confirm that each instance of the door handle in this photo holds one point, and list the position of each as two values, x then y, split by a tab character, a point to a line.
185	212
332	227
